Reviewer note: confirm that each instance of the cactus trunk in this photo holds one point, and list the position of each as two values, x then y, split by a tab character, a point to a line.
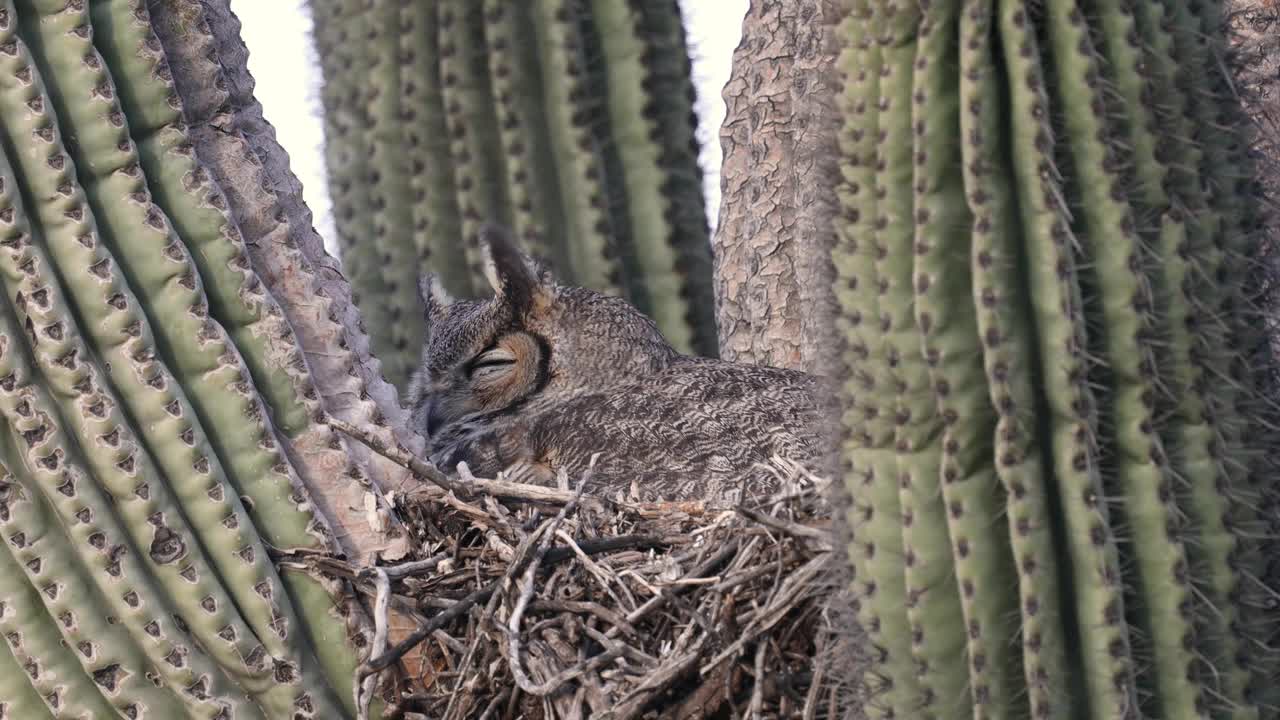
1056	432
159	420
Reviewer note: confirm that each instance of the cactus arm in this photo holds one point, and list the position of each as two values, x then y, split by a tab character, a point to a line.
469	118
216	382
389	189
436	222
1057	314
670	100
933	606
119	461
969	487
593	256
156	400
875	515
1001	297
1126	302
340	135
151	394
632	123
129	591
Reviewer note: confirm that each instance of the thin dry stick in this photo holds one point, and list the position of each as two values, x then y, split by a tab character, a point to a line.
398	455
813	698
757	692
386	659
429	472
526	594
365	686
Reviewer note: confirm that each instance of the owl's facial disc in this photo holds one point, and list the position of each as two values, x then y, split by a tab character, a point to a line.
499	375
507	371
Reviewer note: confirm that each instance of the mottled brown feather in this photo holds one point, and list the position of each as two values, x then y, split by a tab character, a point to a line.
544	385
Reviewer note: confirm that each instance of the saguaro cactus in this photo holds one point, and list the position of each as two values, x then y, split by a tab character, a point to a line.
1058	410
569	120
160	423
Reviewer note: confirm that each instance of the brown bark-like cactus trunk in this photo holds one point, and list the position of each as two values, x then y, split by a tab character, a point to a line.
773	241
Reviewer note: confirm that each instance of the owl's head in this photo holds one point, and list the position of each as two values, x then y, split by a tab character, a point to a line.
532	338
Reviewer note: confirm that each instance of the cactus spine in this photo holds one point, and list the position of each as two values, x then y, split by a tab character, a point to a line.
570	121
1053	428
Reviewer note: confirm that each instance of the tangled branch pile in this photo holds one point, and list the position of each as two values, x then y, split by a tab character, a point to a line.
553	602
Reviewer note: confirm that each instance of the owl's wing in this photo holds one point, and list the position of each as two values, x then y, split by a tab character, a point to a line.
670	436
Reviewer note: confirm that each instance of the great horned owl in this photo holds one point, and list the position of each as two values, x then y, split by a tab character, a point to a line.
542	376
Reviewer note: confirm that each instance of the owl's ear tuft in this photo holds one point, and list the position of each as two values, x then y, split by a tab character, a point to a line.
433	296
514	276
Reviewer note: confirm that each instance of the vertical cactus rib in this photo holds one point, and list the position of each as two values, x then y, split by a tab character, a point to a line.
632	124
437	224
18	699
390	193
871	476
1057	314
130	590
967	481
150	392
356	216
670	100
1121	58
592	251
480	178
1189	430
935	619
328	35
33	640
1144	478
1001	297
521	120
225	397
42	558
1245	363
196	209
1207	509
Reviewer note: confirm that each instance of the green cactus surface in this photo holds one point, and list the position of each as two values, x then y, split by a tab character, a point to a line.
571	122
146	381
1051	301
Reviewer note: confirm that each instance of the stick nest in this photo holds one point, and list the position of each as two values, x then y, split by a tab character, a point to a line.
537	602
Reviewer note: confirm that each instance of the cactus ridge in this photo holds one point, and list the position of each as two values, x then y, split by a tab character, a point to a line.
436	218
390	192
869	457
1050	313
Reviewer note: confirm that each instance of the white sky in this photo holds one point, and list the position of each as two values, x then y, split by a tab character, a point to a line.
282	60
